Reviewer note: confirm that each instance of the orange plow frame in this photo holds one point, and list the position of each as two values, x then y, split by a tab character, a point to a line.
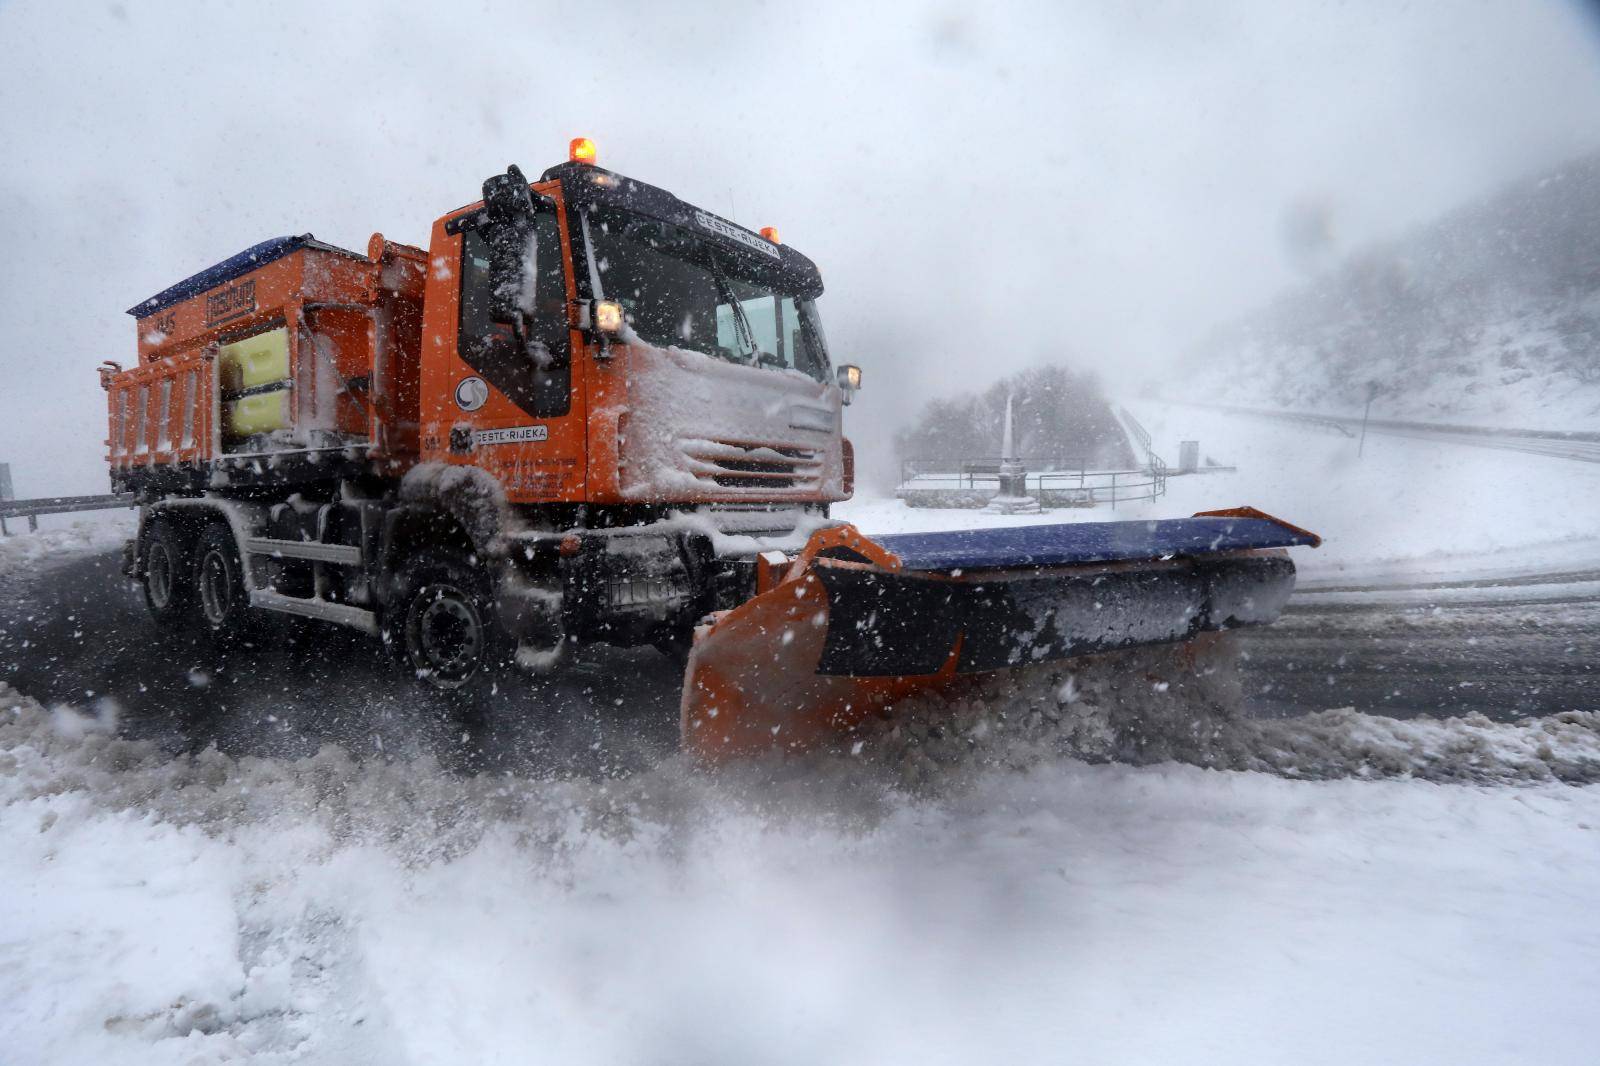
751	684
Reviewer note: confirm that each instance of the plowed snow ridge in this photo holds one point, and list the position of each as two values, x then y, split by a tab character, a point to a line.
990	895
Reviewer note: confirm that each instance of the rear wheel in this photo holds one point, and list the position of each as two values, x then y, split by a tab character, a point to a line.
444	627
219	592
167	587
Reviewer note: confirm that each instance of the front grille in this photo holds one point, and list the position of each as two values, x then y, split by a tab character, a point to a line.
644	593
754	467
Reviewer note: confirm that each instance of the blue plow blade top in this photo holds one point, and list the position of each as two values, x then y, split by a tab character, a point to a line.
1086	542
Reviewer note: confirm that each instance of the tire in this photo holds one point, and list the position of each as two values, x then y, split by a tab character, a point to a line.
444	627
221	602
168	589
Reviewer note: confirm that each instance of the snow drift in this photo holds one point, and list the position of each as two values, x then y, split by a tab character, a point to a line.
986	896
1149	706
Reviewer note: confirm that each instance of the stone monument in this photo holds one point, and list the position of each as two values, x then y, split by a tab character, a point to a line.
1013	497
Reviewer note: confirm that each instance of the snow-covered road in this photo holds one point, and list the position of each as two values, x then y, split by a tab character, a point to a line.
273	860
1503	647
287	854
75	631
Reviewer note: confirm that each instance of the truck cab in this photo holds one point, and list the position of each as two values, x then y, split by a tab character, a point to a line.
593	339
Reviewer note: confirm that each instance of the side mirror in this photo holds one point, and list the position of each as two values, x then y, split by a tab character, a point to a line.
849	377
508	201
510	288
510	232
507	196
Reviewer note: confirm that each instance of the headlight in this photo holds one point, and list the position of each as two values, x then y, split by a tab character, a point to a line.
850	377
608	316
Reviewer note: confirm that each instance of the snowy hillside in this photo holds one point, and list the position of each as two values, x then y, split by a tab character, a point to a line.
1490	315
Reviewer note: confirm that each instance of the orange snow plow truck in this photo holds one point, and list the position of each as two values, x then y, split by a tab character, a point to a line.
590	411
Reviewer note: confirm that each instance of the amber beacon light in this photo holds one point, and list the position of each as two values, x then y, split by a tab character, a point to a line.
582	150
771	234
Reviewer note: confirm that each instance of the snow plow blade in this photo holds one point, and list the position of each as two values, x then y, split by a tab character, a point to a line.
853	623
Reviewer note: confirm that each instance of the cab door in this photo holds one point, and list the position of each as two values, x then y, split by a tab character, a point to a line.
511	406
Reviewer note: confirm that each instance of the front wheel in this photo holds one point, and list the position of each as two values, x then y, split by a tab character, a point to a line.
446	629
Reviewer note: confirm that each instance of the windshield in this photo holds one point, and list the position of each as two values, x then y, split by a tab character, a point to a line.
678	289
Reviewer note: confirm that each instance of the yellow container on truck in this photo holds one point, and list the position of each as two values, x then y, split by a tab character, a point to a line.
258	360
260	413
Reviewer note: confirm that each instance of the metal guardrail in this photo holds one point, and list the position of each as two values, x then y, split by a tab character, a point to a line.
31	509
1579	445
1104	486
983	471
1052	488
1141	436
1306	418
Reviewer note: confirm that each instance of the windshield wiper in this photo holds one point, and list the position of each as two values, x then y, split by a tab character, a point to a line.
741	324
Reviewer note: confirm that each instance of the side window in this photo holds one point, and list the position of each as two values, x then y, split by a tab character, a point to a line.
538	380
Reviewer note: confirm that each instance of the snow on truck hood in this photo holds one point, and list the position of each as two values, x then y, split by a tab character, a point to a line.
695	426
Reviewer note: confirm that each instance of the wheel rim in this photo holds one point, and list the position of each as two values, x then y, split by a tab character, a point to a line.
216	587
445	635
158	575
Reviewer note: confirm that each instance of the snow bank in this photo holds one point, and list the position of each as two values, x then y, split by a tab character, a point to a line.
28	551
1153	705
205	909
1399	500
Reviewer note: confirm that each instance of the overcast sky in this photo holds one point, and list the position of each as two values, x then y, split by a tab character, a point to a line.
983	186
